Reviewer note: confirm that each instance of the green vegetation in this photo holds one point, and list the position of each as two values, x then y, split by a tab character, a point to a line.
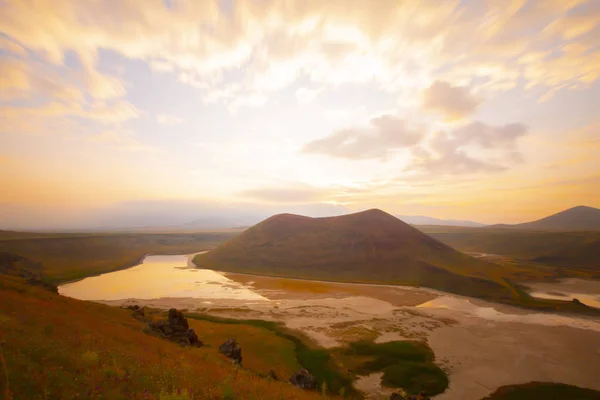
74	256
405	364
543	391
566	250
317	360
60	348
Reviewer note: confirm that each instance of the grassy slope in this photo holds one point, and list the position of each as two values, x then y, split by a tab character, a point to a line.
74	256
543	391
370	246
317	360
562	249
77	349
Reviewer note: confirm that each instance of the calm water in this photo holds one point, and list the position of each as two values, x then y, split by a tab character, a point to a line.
465	306
586	291
156	277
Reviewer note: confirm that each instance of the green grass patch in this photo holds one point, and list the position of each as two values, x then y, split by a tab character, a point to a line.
316	360
405	364
543	391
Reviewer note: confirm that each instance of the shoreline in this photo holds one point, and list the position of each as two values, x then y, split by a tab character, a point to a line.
590	313
140	261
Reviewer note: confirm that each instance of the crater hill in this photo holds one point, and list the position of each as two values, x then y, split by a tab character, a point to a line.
369	247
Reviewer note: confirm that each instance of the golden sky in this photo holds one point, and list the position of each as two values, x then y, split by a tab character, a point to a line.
481	110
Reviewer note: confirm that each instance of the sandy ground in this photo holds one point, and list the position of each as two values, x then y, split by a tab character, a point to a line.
482	346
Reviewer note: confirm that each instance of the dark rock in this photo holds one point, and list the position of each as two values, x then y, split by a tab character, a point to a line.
133	307
177	321
139	314
176	328
273	375
304	380
396	396
231	349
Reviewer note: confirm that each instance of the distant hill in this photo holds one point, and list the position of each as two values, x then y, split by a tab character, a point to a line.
580	218
369	246
424	220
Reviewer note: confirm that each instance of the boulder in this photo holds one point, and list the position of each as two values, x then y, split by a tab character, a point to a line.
177	321
175	328
304	380
231	349
139	314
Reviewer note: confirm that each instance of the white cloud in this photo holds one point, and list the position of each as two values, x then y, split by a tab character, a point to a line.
383	136
476	147
305	95
168	119
454	102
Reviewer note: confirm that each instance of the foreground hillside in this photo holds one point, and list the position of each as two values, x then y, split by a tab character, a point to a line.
58	348
370	246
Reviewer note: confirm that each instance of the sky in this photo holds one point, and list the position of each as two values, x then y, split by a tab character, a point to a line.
162	111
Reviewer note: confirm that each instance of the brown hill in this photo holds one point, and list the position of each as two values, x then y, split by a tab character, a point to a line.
580	218
369	246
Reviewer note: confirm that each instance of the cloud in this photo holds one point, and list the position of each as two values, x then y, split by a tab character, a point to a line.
295	194
263	47
12	47
122	140
385	135
305	95
103	87
474	148
168	119
454	102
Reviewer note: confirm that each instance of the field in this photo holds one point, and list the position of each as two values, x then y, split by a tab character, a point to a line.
578	250
73	256
77	349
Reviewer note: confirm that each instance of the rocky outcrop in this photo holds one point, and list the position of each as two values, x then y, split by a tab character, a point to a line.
175	328
399	396
231	349
138	312
304	380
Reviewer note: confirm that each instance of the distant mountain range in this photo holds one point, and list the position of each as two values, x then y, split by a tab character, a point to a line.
580	218
369	246
424	220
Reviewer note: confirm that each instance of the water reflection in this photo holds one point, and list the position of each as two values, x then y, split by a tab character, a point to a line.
586	291
156	277
491	314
